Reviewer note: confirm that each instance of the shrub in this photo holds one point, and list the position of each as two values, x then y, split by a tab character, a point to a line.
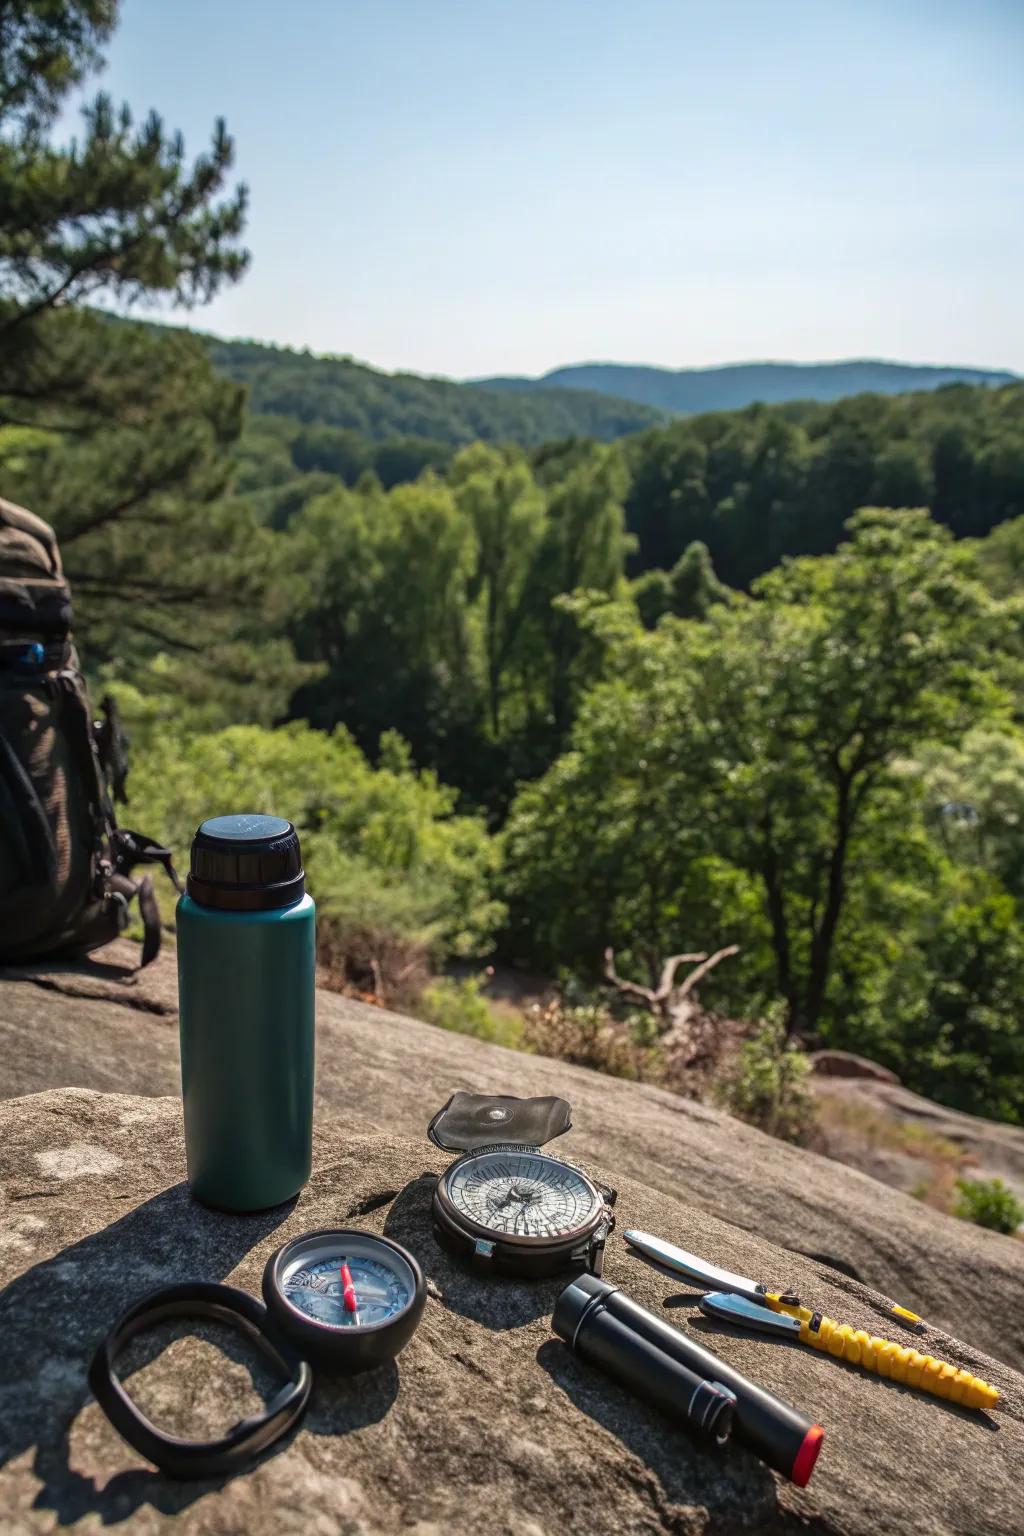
767	1085
586	1034
461	1006
386	856
373	936
989	1203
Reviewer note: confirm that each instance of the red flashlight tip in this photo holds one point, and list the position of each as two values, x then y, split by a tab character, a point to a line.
807	1455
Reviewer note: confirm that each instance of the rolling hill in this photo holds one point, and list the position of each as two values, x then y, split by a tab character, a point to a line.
688	391
596	400
340	393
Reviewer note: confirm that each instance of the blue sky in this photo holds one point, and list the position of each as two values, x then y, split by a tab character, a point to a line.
470	187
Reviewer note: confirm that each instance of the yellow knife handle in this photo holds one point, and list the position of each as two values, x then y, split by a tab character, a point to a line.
897	1361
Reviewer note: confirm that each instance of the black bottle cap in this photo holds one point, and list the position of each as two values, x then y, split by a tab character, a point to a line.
246	864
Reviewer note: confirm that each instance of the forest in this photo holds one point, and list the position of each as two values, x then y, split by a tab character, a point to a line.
754	485
552	678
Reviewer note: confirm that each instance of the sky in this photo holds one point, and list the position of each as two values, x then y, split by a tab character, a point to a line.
471	187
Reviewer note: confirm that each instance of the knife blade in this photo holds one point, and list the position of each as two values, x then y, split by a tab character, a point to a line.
693	1267
714	1277
748	1314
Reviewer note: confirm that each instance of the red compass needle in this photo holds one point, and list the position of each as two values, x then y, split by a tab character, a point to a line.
348	1290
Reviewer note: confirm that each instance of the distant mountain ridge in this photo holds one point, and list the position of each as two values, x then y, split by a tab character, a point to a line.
349	396
599	400
690	391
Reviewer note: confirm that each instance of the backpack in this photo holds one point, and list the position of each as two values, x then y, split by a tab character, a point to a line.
65	865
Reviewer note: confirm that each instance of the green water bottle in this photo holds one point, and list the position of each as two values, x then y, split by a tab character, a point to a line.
247	999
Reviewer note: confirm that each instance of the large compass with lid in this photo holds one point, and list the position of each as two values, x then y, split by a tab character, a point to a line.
505	1204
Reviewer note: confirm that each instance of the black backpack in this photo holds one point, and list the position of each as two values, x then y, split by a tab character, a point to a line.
65	865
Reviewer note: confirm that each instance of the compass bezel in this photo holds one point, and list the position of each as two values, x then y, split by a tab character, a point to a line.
515	1252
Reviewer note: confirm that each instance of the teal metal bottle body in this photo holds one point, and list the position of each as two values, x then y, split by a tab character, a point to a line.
247	1000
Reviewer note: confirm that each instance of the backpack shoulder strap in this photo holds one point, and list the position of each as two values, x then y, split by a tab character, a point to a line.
130	848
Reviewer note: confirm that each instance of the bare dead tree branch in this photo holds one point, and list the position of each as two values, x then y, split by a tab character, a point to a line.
672	964
682	1023
709	964
628	988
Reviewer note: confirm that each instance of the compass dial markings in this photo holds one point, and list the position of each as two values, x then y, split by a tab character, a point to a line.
525	1194
318	1291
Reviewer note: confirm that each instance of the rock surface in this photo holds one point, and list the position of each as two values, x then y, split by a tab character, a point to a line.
890	1132
105	1026
486	1423
846	1064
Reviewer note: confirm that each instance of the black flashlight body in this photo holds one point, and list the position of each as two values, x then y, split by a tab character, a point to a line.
705	1407
776	1433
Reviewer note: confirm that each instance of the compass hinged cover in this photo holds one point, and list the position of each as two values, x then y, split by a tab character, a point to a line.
471	1120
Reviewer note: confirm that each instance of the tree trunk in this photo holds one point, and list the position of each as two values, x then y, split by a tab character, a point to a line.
493	657
823	939
675	1007
776	900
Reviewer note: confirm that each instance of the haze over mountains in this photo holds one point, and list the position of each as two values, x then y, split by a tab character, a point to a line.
687	391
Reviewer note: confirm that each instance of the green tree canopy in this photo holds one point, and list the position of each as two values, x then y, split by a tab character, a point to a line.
760	484
753	756
45	49
119	213
439	604
384	836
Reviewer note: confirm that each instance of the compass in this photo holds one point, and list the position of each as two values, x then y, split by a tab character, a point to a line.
508	1206
348	1300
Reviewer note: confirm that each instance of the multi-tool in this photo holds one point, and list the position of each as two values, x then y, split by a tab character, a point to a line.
748	1304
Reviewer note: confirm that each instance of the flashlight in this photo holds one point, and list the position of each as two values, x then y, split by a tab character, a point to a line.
662	1366
589	1327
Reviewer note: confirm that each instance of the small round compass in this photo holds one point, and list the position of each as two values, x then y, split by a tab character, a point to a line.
348	1299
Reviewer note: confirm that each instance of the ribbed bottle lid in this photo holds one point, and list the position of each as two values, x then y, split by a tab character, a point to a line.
246	864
